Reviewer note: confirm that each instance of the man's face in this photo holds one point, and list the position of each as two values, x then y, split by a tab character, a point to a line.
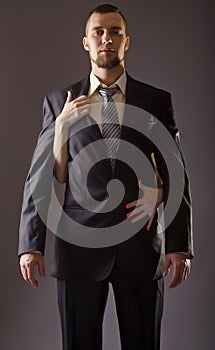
106	39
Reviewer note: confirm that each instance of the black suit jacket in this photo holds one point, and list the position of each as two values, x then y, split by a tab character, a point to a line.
139	256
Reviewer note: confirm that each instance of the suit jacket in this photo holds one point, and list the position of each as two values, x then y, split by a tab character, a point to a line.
138	256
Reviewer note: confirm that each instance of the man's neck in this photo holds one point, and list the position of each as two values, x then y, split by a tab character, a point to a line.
108	76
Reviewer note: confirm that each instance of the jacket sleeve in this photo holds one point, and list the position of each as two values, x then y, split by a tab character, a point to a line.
37	188
178	232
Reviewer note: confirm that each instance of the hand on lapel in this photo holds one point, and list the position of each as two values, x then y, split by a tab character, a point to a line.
73	110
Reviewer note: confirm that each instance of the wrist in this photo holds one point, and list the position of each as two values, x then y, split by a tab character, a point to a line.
61	129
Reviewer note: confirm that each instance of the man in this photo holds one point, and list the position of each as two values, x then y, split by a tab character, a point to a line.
135	265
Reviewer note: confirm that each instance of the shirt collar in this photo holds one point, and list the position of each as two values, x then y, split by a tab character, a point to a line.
95	83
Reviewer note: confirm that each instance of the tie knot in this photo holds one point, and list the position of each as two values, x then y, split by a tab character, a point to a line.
107	93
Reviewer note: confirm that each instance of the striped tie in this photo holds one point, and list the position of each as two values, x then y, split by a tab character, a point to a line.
110	123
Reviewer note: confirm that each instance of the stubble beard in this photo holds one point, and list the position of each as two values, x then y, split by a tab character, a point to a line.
107	62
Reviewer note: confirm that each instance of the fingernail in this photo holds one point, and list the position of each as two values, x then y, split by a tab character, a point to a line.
148	228
127	206
128	215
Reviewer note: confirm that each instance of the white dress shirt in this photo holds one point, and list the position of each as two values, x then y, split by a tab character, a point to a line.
96	99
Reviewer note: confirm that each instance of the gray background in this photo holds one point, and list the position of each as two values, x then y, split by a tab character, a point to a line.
172	48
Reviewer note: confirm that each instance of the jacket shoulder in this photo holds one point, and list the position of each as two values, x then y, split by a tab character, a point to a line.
75	87
147	88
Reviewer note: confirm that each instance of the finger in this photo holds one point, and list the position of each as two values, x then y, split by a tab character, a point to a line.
41	267
31	278
69	96
186	271
142	209
24	273
139	217
151	220
82	97
148	210
185	274
136	211
177	276
133	204
166	267
79	104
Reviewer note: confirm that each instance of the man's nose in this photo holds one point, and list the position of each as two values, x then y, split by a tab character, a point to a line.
106	38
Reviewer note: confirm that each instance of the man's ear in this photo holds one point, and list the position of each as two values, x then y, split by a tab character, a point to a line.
85	43
127	43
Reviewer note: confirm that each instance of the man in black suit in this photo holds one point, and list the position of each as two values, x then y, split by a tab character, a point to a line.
134	260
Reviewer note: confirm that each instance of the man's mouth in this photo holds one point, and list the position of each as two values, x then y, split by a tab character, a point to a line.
106	50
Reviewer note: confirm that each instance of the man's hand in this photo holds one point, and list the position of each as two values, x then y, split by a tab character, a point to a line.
181	268
71	113
73	110
146	205
28	262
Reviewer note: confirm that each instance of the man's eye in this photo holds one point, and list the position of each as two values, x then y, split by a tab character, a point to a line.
116	32
99	32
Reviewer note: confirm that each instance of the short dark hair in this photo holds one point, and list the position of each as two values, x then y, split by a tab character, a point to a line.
106	8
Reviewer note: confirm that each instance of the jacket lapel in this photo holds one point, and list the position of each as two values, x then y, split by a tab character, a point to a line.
82	88
135	96
134	92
